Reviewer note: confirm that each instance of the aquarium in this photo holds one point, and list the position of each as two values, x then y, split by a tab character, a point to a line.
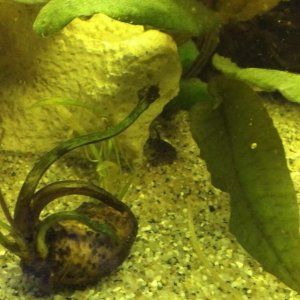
149	149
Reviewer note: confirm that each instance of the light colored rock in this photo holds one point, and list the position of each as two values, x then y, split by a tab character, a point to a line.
99	61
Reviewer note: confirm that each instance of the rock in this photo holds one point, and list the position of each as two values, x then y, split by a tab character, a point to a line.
99	61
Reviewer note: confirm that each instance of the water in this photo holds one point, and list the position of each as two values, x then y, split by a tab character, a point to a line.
183	249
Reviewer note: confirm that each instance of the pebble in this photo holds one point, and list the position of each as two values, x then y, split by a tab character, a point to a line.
163	263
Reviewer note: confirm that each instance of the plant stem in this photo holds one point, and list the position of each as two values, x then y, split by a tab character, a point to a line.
207	48
214	275
7	243
5	209
72	187
22	210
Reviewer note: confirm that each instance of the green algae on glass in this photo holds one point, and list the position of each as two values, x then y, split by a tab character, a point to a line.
187	17
288	84
245	157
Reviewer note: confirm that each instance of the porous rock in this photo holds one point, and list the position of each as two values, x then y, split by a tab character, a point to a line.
99	61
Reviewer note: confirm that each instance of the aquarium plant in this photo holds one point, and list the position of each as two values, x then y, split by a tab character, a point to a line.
235	134
71	248
108	156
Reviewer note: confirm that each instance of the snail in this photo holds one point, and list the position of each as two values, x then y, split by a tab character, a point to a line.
71	248
76	248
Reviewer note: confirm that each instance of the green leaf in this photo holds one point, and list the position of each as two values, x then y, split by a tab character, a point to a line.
191	91
243	10
188	53
186	17
68	102
288	84
31	1
245	157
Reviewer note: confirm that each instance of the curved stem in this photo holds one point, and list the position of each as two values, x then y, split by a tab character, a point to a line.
209	44
214	275
11	246
5	226
72	187
69	215
5	209
22	210
7	243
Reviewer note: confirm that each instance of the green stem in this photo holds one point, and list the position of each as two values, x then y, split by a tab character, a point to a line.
22	210
209	268
72	187
5	226
12	246
5	209
49	221
209	44
7	243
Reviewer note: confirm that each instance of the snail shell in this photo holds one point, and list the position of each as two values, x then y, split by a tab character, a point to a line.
79	256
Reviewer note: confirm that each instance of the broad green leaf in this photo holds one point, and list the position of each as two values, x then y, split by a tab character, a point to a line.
186	17
31	1
245	157
188	53
192	90
288	84
242	10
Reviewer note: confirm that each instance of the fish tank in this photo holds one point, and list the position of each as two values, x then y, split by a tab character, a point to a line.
149	149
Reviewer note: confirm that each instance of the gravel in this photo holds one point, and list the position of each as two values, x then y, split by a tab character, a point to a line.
173	203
